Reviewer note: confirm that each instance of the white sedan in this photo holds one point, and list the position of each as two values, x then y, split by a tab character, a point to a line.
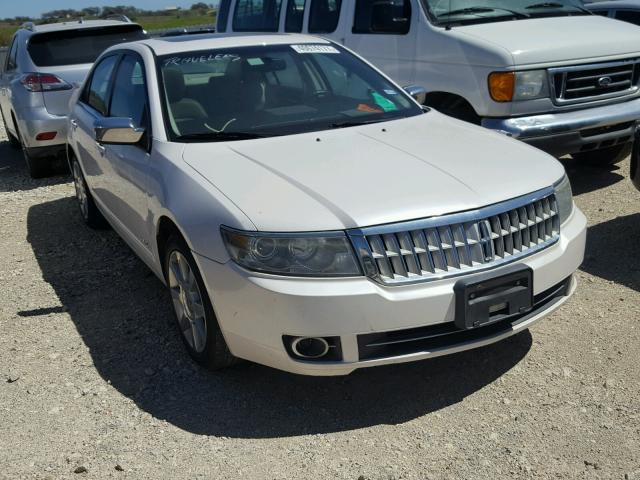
306	213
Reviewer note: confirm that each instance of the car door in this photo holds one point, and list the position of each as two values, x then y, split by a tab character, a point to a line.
384	32
126	167
8	74
92	106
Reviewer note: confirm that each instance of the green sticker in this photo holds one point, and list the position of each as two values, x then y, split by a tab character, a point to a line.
383	102
255	61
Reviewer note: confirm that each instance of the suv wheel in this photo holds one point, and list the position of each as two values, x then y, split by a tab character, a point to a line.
605	156
38	167
88	209
193	310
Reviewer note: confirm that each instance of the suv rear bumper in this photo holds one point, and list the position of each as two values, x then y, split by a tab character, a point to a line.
32	121
576	131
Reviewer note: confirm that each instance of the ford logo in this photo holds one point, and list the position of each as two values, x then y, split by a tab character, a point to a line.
604	81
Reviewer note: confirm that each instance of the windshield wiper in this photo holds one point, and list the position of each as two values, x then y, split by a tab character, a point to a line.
544	5
221	136
354	123
472	10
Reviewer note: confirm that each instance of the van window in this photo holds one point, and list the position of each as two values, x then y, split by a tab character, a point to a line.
382	16
257	15
295	13
628	16
324	16
223	15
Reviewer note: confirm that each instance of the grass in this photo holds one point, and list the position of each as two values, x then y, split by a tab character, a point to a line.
148	23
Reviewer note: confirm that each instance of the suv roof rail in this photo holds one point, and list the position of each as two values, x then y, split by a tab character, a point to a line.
119	17
29	26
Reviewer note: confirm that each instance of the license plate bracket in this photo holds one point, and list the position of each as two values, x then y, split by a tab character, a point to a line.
488	298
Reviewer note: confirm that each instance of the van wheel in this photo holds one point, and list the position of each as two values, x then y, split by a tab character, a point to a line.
195	318
88	209
605	156
38	167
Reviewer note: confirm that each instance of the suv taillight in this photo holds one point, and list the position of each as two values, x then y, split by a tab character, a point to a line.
43	82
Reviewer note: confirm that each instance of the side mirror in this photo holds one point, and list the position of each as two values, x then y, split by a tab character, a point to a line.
117	131
418	93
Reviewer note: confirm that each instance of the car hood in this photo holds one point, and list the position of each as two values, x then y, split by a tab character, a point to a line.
412	168
556	39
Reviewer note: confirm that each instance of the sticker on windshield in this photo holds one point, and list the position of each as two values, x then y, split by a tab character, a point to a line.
177	61
255	61
315	49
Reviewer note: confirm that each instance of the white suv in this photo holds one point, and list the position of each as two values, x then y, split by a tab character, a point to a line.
548	73
307	214
45	63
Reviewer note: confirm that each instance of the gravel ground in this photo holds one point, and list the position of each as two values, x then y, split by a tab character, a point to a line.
94	382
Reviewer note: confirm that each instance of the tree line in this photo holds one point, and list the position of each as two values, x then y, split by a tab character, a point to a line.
199	8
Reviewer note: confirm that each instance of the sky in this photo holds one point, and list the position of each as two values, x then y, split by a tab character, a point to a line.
34	8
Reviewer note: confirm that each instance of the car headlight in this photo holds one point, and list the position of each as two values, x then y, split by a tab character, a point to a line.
515	86
564	198
306	254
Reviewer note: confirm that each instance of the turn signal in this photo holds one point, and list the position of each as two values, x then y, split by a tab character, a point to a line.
501	86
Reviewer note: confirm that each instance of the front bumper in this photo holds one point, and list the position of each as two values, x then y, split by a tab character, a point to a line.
255	311
574	131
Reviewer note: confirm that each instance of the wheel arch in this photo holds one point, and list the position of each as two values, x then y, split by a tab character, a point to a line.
454	105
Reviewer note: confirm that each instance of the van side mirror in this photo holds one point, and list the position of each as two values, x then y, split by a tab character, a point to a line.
418	93
391	16
117	131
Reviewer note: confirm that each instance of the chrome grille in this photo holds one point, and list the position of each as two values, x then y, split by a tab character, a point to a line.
585	83
451	245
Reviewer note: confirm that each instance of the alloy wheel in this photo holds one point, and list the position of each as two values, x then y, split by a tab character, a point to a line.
81	190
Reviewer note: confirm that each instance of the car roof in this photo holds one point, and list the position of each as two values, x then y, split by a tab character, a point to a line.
208	41
75	25
614	4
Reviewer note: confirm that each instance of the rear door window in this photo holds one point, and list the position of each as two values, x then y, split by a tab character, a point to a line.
324	16
257	15
97	93
74	47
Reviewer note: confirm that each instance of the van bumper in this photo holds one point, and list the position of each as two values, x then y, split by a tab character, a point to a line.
572	132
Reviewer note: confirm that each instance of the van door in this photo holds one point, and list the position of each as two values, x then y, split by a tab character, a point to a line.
328	18
385	33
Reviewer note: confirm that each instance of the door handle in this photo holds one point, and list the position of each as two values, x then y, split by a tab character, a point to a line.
74	123
101	148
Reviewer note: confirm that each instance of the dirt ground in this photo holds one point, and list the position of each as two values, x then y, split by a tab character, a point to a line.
94	379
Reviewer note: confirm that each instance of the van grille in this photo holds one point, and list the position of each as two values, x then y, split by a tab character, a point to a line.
586	83
451	245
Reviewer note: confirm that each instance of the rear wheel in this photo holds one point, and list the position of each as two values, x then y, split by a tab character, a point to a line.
88	209
605	156
193	310
38	167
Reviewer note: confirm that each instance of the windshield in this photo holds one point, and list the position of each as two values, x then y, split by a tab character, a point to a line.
74	47
252	92
464	12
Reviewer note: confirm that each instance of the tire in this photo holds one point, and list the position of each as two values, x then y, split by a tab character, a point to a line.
87	206
13	141
195	318
455	107
38	167
605	156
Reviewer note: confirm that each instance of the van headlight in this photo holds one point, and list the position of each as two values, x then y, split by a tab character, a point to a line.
564	198
305	254
518	86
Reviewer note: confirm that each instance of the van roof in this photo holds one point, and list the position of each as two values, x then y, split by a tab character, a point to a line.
192	43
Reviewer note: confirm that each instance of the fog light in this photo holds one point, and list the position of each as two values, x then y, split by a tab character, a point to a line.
46	136
318	349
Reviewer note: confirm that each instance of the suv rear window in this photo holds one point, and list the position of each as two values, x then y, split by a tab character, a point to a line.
72	47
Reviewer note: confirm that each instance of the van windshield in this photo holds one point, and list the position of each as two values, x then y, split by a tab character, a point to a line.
269	90
465	12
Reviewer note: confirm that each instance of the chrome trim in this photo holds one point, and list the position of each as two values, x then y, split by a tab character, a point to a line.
558	97
365	255
325	344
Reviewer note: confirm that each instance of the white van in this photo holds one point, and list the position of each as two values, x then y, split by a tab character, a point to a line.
549	73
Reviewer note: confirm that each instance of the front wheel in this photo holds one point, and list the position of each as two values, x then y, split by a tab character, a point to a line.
605	156
193	310
88	209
